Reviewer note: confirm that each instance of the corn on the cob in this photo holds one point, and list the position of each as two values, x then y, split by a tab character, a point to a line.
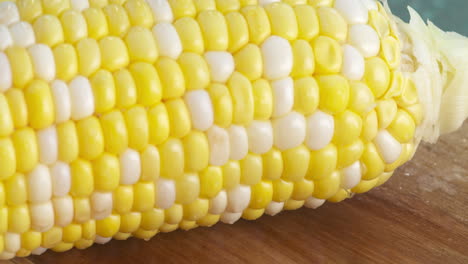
124	118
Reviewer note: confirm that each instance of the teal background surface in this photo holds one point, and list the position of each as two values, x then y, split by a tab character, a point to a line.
449	15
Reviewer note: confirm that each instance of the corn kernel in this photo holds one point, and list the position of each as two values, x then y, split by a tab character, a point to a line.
21	66
152	219
90	138
322	162
48	30
208	220
18	219
66	61
379	22
226	6
172	78
365	186
251	169
117	20
361	99
328	55
282	190
258	23
31	240
139	13
16	192
40	104
196	209
125	89
242	99
114	54
74	26
282	20
386	112
306	95
67	141
222	104
62	247
263	100
182	8
350	153
307	22
252	214
296	163
97	23
89	56
82	178
211	182
249	61
173	215
377	76
114	132
71	233
417	113
231	174
214	30
129	222
391	52
262	195
195	69
304	59
190	35
203	5
238	31
348	126
179	118
26	150
302	190
108	226
293	204
327	187
18	108
334	93
409	95
144	196
123	199
372	162
172	159
4	219
339	196
332	24
106	172
188	188
141	45
150	164
6	121
402	127
29	9
370	126
51	237
88	229
55	7
159	125
196	151
137	127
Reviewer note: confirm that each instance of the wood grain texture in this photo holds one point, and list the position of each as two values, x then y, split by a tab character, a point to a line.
419	216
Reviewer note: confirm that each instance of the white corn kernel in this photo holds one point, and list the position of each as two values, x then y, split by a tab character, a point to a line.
200	108
365	39
351	175
62	101
165	193
42	216
238	198
130	167
81	97
12	242
168	40
79	5
221	65
5	255
5	38
230	218
6	78
63	207
39	251
48	145
313	202
8	13
162	11
22	34
61	178
353	63
218	203
218	139
320	130
238	141
43	61
260	136
267	2
101	204
102	240
283	96
289	131
39	184
390	149
353	11
370	4
274	208
277	58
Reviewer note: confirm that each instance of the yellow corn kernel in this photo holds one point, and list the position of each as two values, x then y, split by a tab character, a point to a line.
172	78
339	196
377	76
55	7
196	151
74	26
391	52
211	182
318	3
231	174
195	69
51	237
97	23
173	215
304	59
249	61
328	55
165	228
222	104
350	153
252	214
125	89
386	112
139	13
18	219
404	156
384	178
66	62
370	126
242	99
106	172
332	24
214	30
26	150
114	54
141	45
396	85
282	190
103	87
258	23
4	219
272	164
40	105
123	199
282	20
89	56
6	121
18	108
226	6
144	196
202	5
159	126
307	22
16	193
62	247
380	23
365	186
182	8
302	189
82	210
71	233
334	93
48	30
293	204
29	9
327	187
67	141
108	226
409	95
147	82
31	240
348	126
295	2
247	2
23	253
144	234
90	138
187	188
152	219
262	195
172	158
21	66
179	118
372	162
306	95
82	183
322	162
361	99
117	20
208	220
263	99
88	229
251	169
137	127
402	127
150	164
296	163
129	222
238	30
196	209
114	132
84	243
190	35
417	113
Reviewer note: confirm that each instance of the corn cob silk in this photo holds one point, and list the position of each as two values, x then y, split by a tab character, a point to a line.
124	118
